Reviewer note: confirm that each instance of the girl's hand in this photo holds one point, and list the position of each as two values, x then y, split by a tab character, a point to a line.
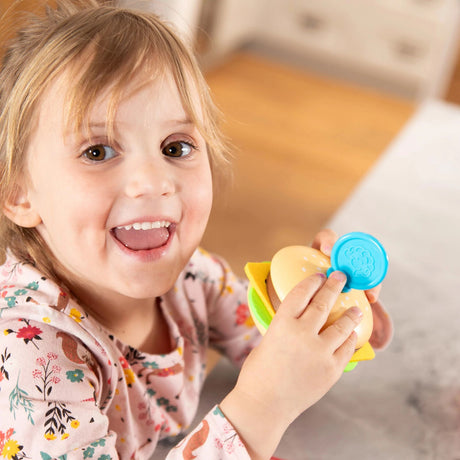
383	326
294	365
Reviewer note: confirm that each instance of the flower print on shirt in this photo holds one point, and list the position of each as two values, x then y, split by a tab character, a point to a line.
243	316
5	356
58	420
130	376
27	333
198	276
10	448
19	399
12	295
46	374
231	442
75	375
77	315
133	357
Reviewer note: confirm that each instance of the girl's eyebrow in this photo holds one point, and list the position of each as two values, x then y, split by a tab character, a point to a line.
179	122
70	132
182	122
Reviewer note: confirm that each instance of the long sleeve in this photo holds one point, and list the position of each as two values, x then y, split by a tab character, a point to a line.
52	407
50	397
213	438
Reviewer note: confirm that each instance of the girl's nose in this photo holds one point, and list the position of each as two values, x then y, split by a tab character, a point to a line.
152	177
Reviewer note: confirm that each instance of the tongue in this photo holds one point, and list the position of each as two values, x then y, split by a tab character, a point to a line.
138	240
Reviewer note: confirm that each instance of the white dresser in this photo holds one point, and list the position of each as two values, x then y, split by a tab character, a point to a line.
410	44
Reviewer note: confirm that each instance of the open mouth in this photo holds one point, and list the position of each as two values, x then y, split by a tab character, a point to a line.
144	236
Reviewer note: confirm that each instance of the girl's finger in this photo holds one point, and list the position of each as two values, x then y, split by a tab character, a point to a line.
300	296
344	353
336	334
321	304
373	294
324	240
383	327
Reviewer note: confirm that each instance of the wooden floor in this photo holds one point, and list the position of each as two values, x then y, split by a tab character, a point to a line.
302	143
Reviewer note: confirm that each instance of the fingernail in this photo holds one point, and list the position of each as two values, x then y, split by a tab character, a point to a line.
357	312
326	250
339	276
321	275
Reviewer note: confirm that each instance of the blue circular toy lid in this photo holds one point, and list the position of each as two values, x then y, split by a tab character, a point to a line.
362	258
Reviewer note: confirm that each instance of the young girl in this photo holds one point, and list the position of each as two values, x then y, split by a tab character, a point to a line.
109	148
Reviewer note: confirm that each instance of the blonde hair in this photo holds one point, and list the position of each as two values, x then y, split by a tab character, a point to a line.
112	45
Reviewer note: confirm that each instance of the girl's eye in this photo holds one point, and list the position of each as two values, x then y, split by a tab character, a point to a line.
99	153
178	149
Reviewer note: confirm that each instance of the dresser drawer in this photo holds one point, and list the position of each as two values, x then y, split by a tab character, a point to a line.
411	43
396	44
318	27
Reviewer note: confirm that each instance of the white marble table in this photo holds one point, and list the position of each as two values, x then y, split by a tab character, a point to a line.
405	404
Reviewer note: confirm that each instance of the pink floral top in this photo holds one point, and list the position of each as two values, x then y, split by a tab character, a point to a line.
70	390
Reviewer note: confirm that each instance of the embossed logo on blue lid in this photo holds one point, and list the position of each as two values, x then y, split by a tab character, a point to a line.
362	258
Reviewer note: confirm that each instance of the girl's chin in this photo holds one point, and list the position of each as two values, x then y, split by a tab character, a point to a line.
143	289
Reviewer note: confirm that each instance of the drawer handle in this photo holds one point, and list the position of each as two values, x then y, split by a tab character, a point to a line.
311	22
408	50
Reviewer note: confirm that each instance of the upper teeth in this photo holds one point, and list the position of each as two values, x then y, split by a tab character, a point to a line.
146	225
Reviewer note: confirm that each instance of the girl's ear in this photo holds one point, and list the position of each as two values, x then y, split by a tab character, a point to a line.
19	209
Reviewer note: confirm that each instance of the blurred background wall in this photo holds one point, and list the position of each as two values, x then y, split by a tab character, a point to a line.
312	92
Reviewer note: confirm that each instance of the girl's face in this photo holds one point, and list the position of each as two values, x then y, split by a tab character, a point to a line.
122	216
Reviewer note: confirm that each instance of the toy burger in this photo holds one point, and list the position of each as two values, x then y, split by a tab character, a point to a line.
359	255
